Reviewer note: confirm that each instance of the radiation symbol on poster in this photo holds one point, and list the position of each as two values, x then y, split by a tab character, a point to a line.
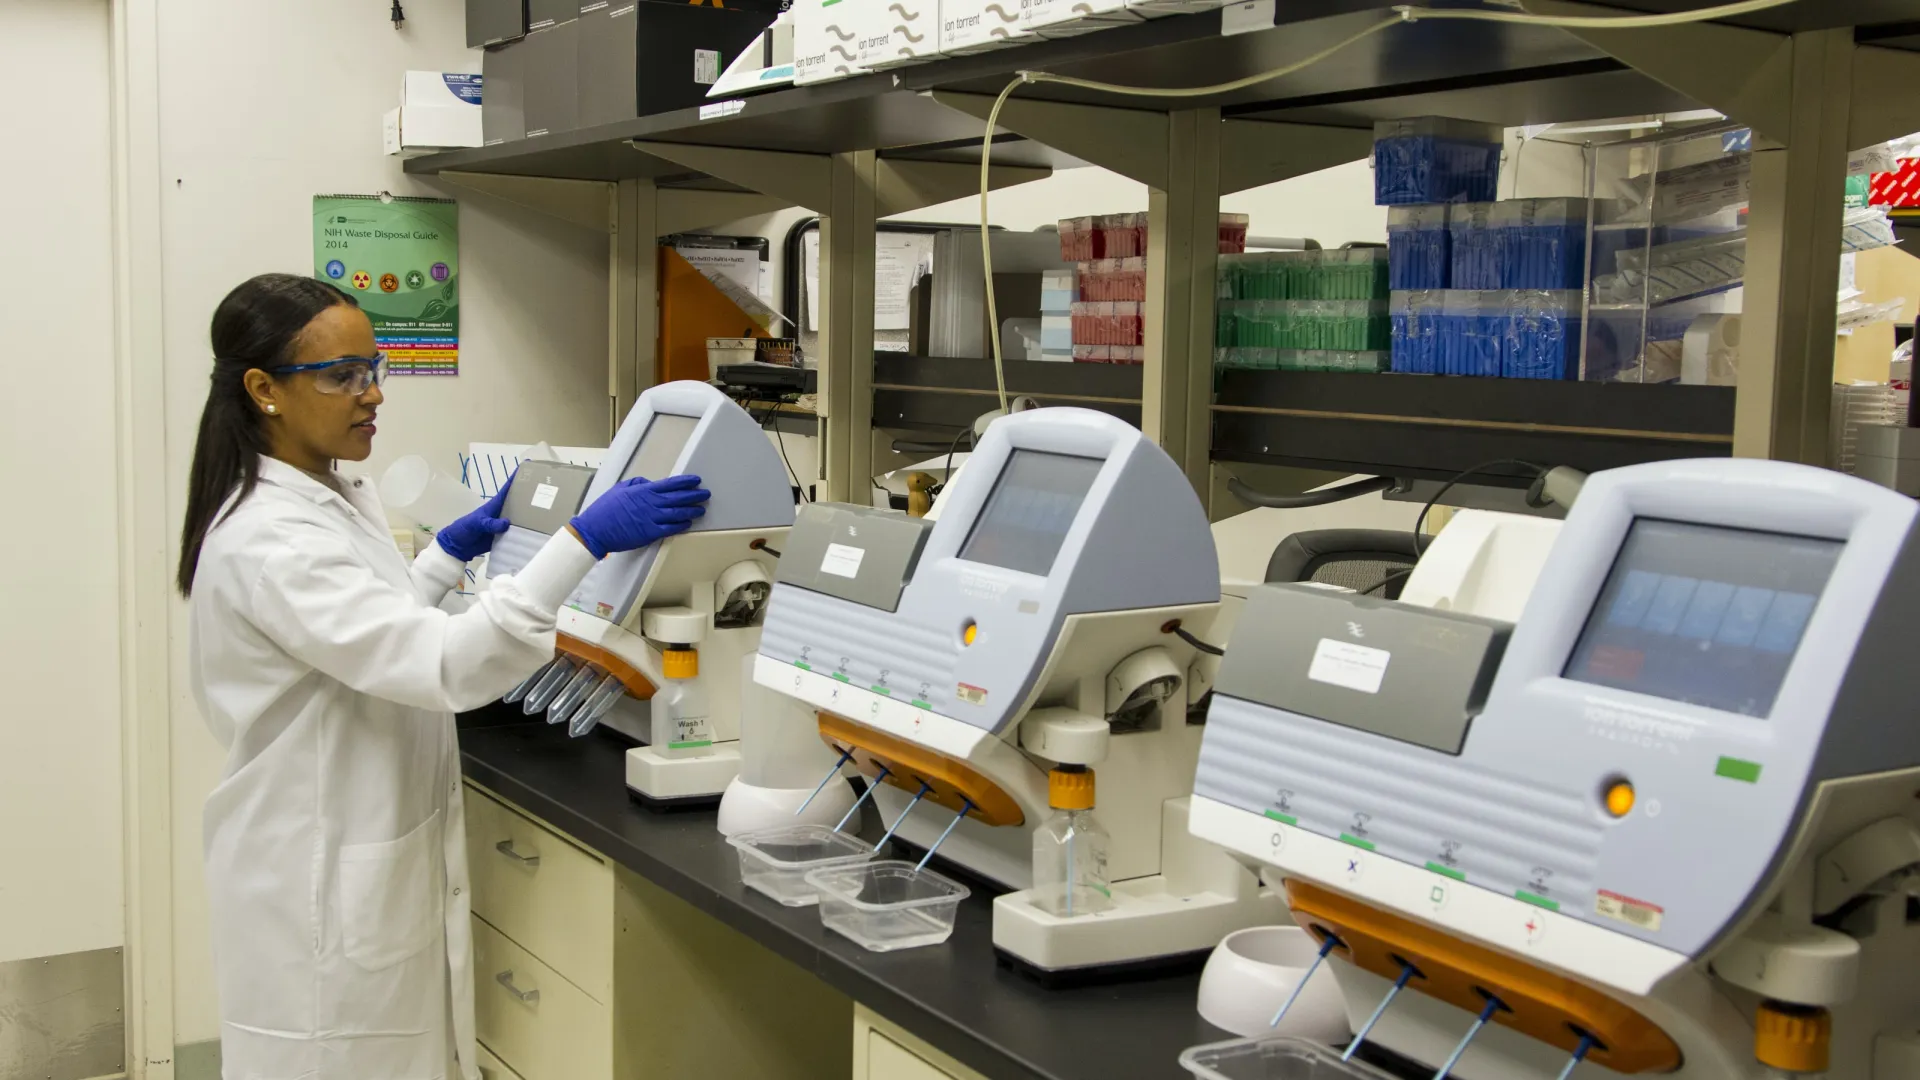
389	283
362	279
416	279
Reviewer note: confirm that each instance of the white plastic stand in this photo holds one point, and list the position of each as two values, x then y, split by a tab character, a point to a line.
1201	896
674	779
749	808
782	761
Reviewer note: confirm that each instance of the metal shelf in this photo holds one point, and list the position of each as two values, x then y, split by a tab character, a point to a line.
1431	426
865	148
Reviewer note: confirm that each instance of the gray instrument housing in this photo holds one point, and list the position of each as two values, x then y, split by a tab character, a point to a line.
1442	663
730	454
890	544
531	525
1521	808
1140	539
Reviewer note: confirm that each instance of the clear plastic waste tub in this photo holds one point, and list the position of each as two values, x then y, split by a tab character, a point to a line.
1273	1057
775	862
887	905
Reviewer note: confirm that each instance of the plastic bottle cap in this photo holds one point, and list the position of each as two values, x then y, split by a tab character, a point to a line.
680	663
1070	790
1792	1037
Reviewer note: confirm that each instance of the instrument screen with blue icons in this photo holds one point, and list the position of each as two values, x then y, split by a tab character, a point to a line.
1703	614
1027	516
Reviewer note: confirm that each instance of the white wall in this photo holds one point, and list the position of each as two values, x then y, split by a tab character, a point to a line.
60	854
263	106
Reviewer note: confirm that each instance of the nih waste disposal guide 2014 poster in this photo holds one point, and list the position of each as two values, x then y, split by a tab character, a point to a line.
400	257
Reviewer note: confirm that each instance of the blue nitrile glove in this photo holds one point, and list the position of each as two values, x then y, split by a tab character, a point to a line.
635	513
472	536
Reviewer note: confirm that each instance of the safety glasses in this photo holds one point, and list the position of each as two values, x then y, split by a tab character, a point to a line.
350	375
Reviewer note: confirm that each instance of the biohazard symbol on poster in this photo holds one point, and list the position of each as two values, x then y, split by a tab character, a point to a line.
410	247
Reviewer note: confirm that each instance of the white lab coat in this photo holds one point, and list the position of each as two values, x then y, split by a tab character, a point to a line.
335	840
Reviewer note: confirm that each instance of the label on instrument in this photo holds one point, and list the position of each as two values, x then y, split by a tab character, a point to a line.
719	110
842	560
971	694
1626	909
706	66
1356	667
543	496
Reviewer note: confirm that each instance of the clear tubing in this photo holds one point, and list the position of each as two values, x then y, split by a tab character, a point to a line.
1579	1055
542	694
862	800
902	819
1486	1014
1326	947
845	756
966	807
1406	972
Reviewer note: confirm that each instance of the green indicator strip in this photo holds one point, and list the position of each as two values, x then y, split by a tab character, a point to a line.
1537	901
881	690
689	745
1284	819
1364	845
842	676
1447	871
803	665
922	705
1734	769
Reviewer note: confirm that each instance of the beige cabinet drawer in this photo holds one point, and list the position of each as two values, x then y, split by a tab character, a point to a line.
888	1060
549	896
492	1068
543	1026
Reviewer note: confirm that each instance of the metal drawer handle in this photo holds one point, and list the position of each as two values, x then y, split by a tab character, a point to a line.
524	997
505	847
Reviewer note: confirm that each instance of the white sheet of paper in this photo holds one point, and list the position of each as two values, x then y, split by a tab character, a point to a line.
842	560
1356	667
738	265
543	496
898	258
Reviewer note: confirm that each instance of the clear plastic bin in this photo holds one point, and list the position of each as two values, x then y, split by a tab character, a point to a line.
1273	1057
1477	250
1419	247
1109	322
1432	159
775	862
1345	274
1543	242
1414	317
1113	279
887	905
1344	325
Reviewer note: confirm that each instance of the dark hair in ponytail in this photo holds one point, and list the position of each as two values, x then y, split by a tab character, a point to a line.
258	325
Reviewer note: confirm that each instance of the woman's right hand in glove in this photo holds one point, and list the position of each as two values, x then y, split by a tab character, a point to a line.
637	512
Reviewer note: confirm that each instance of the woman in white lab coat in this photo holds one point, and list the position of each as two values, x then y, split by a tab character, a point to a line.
335	854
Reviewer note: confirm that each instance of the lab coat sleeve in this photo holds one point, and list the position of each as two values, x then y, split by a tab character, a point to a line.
326	608
435	573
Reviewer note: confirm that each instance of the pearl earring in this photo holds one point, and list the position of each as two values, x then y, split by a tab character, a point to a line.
273	408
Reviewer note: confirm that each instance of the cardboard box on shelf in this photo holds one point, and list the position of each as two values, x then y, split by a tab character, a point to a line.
438	110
